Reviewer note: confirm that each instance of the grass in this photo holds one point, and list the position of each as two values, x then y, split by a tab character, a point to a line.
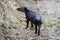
50	24
6	23
15	25
58	21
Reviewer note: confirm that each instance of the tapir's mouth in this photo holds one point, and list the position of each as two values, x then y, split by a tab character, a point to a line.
17	9
20	9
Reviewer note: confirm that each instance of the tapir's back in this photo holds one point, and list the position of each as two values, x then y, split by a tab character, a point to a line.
35	17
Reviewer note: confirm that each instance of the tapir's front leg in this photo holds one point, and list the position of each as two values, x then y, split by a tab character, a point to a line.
27	23
31	24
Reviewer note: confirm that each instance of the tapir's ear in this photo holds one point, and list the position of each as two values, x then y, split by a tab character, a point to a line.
25	8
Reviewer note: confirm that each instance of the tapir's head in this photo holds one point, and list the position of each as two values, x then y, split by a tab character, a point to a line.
22	9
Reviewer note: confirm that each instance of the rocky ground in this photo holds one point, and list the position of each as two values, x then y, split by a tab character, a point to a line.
12	22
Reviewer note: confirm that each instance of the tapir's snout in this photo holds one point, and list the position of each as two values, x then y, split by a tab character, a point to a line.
18	9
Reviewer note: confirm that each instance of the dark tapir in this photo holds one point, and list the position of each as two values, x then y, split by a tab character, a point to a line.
33	17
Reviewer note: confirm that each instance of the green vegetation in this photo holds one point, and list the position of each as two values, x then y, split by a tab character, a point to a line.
50	24
58	21
3	21
6	23
15	25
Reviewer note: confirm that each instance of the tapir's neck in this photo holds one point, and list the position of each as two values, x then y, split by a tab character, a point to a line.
26	11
